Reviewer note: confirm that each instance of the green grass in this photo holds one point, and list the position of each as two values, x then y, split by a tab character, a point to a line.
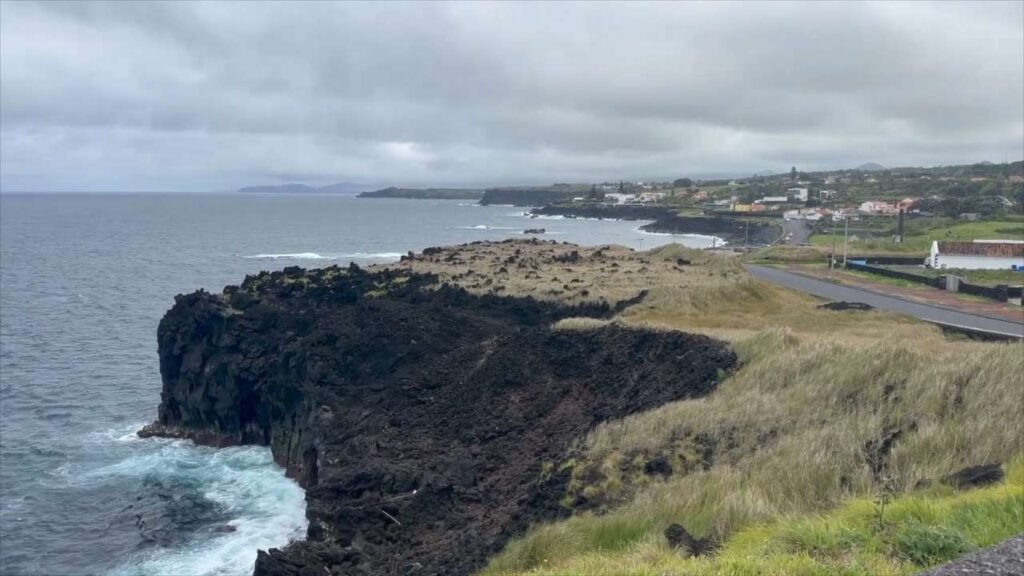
783	254
911	533
877	279
919	237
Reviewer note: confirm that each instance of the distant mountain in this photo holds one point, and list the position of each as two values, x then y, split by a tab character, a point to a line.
425	193
871	167
281	188
339	188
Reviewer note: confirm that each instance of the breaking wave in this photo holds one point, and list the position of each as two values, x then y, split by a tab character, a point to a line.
317	256
236	499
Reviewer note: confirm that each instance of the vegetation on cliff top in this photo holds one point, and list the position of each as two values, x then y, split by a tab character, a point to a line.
830	413
861	537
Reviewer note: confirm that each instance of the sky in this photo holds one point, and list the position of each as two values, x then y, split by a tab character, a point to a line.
213	96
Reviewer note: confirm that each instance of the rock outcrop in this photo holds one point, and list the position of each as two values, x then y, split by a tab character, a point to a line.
427	424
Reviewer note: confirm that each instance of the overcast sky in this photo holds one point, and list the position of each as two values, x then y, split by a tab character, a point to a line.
145	96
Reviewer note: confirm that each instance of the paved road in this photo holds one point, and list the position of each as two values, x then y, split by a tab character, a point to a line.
796	231
1005	559
923	311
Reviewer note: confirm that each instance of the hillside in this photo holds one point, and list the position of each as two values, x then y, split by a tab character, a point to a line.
533	195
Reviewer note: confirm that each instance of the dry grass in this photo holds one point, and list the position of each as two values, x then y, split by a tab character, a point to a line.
568	273
787	435
782	254
911	533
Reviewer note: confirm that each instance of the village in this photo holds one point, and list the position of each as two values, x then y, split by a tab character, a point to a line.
948	232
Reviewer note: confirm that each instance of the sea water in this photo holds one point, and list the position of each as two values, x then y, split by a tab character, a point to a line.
84	280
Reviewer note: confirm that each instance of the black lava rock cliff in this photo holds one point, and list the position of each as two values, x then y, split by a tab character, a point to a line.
421	419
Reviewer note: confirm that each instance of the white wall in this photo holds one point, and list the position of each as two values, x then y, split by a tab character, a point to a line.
976	262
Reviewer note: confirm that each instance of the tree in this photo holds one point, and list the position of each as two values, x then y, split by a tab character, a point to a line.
682	183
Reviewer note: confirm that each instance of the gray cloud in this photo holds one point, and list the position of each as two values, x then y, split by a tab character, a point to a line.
194	96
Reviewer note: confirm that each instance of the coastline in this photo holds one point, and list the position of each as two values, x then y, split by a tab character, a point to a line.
666	220
229	332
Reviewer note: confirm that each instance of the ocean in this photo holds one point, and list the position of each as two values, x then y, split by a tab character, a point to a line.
84	280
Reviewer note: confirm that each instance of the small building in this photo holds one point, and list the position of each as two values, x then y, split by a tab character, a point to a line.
650	197
810	214
978	255
798	193
616	198
878	207
907	203
772	200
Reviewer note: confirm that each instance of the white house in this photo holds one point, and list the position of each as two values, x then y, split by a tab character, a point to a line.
878	207
812	214
648	197
978	255
772	200
619	198
798	193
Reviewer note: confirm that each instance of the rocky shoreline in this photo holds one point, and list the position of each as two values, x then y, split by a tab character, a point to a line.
667	220
428	424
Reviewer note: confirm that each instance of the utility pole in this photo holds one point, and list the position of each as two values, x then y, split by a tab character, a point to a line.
846	237
832	258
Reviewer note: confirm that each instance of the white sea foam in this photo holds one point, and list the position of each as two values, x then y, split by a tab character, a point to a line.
295	255
371	256
328	256
709	240
485	227
126	433
266	509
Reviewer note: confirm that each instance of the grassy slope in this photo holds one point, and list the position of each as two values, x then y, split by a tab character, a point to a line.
783	441
863	536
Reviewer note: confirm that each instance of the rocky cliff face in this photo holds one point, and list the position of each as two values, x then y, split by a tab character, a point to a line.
425	423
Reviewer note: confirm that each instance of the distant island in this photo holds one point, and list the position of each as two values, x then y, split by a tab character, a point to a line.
282	188
425	193
294	188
